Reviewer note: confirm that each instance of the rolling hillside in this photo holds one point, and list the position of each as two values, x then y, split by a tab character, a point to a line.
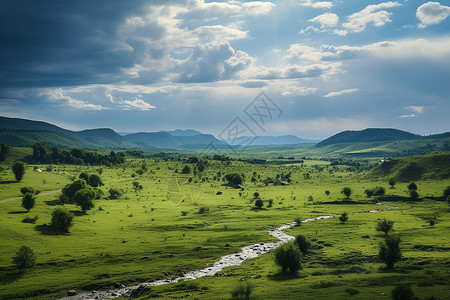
419	167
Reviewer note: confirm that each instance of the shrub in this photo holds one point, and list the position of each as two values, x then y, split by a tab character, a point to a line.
30	220
24	259
186	170
70	189
402	292
369	192
344	217
288	256
62	219
303	243
270	203
94	180
28	201
378	191
27	189
18	169
242	290
413	194
389	252
259	203
392	182
327	193
203	210
83	198
347	192
255	195
114	193
184	213
385	226
298	221
412	186
234	178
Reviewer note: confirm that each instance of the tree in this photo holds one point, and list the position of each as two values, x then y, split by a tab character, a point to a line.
28	201
27	189
347	192
303	243
70	189
94	180
62	219
255	195
137	185
369	192
186	170
402	292
115	193
259	203
385	226
84	175
413	194
24	259
18	169
412	186
343	218
392	182
327	192
378	191
83	198
389	251
288	256
234	178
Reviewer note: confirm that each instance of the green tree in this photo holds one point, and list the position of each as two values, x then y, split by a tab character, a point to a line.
24	259
385	226
26	189
369	192
84	198
84	175
115	193
389	251
28	201
255	195
288	257
18	169
343	218
392	181
234	178
94	180
303	243
403	292
70	189
327	192
186	170
378	191
62	219
347	192
259	203
412	186
413	194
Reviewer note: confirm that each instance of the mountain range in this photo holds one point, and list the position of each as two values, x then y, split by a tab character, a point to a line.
22	132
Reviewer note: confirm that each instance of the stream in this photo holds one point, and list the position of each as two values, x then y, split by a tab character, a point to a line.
229	260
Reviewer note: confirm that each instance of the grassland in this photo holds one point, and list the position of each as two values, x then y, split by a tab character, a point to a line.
143	236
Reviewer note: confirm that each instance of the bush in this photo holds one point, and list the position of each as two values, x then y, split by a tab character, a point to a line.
186	170
18	169
27	189
369	192
70	189
83	198
413	194
402	292
114	193
298	221
347	192
24	259
255	195
392	182
378	191
385	226
288	257
344	217
234	178
203	210
270	203
412	186
94	180
61	219
327	193
28	201
303	243
242	290
390	252
259	203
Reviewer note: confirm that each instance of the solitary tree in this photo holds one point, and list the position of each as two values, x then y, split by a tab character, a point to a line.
62	219
412	186
413	194
255	195
327	192
259	203
347	192
303	243
385	226
186	170
24	259
392	182
18	169
234	178
83	198
389	251
115	193
402	292
94	180
288	256
70	189
343	218
28	201
369	192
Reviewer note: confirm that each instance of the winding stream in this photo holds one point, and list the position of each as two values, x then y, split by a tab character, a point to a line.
233	259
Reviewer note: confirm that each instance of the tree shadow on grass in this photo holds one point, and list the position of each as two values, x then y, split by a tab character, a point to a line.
78	213
17	212
53	202
7	181
9	276
50	230
280	276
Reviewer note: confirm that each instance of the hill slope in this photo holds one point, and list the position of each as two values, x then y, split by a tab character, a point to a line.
369	135
419	167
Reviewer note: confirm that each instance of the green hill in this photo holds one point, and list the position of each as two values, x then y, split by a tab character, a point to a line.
418	167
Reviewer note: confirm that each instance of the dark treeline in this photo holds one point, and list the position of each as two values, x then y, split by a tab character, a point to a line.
4	150
43	154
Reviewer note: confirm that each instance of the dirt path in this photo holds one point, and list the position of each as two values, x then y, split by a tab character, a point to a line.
40	194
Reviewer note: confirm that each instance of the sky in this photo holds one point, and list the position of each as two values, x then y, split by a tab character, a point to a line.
305	67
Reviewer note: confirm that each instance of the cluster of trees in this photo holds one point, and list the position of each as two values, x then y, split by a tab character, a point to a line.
4	150
81	192
43	154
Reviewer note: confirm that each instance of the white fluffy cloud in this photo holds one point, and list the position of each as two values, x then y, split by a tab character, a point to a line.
317	4
341	92
432	13
137	103
417	109
58	95
326	20
298	91
375	14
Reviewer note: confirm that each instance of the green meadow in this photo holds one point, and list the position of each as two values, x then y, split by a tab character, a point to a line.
159	231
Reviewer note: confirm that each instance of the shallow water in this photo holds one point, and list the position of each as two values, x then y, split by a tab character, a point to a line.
233	259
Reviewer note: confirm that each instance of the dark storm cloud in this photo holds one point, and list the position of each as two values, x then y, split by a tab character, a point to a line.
55	43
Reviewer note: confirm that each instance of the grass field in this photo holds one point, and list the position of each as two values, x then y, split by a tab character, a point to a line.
143	236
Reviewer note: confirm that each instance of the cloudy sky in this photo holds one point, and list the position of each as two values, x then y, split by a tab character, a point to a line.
160	65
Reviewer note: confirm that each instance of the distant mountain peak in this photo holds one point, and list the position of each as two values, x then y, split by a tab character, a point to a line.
183	132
